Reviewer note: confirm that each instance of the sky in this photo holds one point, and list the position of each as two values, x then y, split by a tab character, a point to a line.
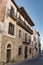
34	8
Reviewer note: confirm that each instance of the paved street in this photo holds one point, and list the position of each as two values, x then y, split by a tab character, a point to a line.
37	61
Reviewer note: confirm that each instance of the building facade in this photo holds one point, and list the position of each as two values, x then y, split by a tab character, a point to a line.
16	33
36	45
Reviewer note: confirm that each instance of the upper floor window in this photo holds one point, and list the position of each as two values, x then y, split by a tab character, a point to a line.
25	37
11	29
29	38
34	38
12	10
17	14
19	33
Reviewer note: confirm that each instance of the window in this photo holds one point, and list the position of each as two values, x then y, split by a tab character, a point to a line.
30	50
34	38
17	14
19	33
20	50
11	29
9	46
29	39
25	37
12	11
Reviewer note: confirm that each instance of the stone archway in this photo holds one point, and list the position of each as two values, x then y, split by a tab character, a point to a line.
8	46
8	56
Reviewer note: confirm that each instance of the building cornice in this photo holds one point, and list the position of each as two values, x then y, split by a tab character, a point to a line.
24	14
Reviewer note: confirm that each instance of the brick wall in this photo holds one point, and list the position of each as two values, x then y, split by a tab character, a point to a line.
2	9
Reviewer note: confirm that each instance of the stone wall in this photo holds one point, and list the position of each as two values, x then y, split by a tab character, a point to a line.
2	9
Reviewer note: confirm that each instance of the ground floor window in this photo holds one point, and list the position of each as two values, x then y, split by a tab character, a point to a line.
20	50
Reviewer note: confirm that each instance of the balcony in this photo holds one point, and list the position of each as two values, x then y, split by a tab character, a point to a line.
11	14
24	26
26	41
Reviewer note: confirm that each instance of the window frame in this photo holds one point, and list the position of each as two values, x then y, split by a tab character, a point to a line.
20	50
11	25
12	11
19	33
25	36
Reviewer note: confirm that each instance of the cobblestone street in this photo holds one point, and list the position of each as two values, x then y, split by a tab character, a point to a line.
37	61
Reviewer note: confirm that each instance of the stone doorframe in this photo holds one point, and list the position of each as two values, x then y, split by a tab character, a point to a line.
9	42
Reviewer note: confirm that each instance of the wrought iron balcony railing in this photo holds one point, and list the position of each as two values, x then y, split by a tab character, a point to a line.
11	14
23	25
26	41
19	21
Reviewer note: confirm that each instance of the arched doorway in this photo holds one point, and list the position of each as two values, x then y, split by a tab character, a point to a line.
8	56
26	51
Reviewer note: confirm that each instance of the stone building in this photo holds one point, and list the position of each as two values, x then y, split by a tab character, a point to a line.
36	44
16	33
